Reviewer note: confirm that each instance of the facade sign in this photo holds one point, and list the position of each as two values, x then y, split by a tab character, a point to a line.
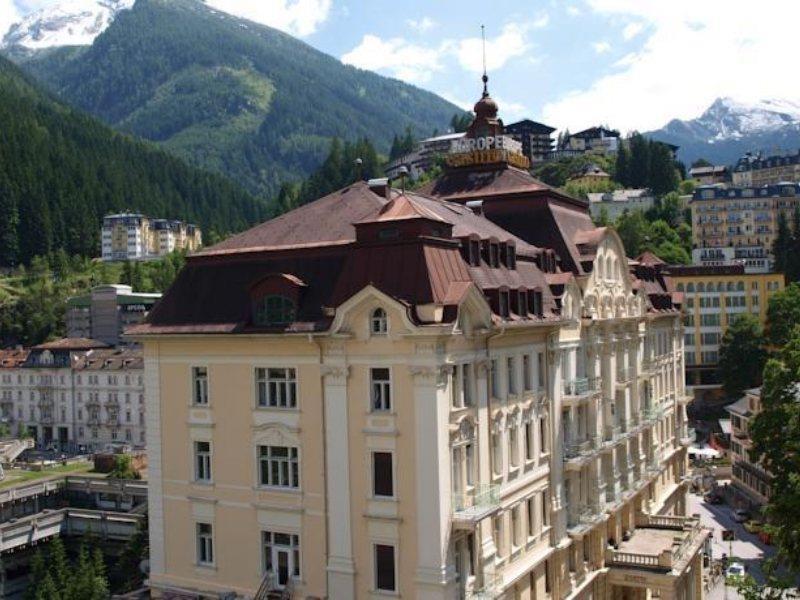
491	142
487	157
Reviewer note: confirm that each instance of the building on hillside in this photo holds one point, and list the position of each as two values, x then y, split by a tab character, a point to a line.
424	156
613	204
536	138
590	175
74	394
750	481
713	297
133	236
600	140
739	224
105	312
709	175
756	171
483	334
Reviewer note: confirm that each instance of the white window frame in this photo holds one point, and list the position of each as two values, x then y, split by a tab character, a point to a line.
205	465
279	393
289	460
379	323
203	382
293	550
204	541
380	405
395	554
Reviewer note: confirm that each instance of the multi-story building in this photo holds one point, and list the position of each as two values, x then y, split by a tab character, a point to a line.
595	139
709	175
617	202
74	394
133	236
105	312
713	297
536	138
749	479
460	392
756	171
739	224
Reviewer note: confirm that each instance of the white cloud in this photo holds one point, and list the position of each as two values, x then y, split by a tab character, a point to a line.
573	11
510	110
8	16
601	47
632	30
542	21
683	64
421	25
405	60
512	42
297	17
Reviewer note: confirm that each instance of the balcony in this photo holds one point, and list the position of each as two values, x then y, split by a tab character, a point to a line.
580	388
583	517
624	375
576	453
688	436
659	544
490	589
612	434
472	506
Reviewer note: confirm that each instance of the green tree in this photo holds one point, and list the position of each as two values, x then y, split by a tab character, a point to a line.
639	165
686	187
783	312
742	355
126	574
701	162
58	563
123	468
633	229
662	176
775	433
461	121
622	172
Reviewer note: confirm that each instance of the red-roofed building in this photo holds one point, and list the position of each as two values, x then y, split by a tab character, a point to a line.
462	390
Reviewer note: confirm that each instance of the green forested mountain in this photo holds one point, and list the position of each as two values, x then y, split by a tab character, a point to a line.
231	95
62	170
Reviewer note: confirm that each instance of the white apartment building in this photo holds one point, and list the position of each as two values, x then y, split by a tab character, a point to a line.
133	236
74	394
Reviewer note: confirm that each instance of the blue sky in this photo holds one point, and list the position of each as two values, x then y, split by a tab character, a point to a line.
631	64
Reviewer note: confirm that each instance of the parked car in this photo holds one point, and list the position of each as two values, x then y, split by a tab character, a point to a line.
713	498
740	515
734	571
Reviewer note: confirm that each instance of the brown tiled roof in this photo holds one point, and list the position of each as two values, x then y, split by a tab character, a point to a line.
321	244
649	259
10	359
110	359
71	344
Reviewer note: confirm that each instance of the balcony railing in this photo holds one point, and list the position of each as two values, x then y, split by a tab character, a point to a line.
476	504
624	374
580	386
488	590
612	433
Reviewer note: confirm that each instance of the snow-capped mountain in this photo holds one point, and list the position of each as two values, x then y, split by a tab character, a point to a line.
729	128
67	23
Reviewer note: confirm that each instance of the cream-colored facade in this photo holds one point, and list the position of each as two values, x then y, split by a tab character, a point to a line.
750	481
133	236
713	298
470	460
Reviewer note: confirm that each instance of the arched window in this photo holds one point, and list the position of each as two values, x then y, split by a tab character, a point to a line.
379	322
730	286
274	310
680	287
740	286
701	287
690	288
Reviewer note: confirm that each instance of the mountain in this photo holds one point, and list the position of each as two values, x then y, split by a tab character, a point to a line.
231	95
69	23
61	171
728	129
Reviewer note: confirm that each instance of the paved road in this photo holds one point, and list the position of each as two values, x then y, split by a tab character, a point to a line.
747	548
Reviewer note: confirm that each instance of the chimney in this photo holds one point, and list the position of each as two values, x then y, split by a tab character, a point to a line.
379	186
476	206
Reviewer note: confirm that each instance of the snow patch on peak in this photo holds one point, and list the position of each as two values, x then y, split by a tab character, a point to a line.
727	118
68	23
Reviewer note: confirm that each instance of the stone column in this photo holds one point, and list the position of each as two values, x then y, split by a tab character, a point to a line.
554	390
341	567
431	435
485	535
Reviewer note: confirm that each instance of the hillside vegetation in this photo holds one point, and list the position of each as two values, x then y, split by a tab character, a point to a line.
231	95
61	171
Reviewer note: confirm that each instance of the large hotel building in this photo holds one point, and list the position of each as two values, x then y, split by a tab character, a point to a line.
467	391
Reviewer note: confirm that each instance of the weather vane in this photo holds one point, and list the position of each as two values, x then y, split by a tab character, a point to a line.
485	76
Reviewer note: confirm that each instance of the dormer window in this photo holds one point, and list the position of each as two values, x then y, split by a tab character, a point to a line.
474	253
274	310
379	322
522	303
503	308
511	257
535	303
494	259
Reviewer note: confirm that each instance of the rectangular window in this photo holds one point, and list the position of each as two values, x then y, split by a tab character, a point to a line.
497	531
530	505
276	388
497	458
529	435
382	474
469	454
494	379
513	447
543	435
466	384
279	466
545	510
511	374
516	531
540	366
281	556
385	579
527	375
205	544
202	461
380	389
200	386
